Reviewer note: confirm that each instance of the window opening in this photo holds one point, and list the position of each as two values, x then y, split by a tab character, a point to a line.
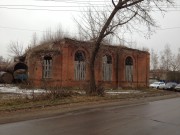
129	69
47	67
107	68
80	66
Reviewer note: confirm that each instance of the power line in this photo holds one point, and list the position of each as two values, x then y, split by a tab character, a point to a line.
17	6
97	2
24	29
78	1
50	6
170	28
77	10
44	9
21	29
177	6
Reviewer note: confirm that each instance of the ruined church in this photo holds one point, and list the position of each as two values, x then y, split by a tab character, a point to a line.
65	64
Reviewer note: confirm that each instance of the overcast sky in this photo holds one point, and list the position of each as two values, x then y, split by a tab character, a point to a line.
19	19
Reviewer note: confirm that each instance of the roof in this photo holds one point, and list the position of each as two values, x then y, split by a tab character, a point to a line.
42	48
78	42
55	46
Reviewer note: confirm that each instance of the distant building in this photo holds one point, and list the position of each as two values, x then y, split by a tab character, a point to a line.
158	75
164	75
65	64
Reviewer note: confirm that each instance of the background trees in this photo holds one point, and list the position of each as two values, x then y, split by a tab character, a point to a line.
1	60
154	60
165	60
166	63
15	49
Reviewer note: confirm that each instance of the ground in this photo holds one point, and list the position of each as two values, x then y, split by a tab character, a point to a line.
18	106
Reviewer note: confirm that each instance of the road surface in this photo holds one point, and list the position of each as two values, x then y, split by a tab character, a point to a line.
153	118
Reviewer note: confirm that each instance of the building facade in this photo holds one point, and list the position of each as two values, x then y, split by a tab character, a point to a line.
65	64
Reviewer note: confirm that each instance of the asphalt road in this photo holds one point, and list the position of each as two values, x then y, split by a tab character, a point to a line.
154	118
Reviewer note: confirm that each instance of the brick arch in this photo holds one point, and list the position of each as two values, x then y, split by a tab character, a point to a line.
79	56
48	57
129	61
126	56
108	61
110	53
80	49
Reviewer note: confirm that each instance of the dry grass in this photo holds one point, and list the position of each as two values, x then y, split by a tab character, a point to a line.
54	98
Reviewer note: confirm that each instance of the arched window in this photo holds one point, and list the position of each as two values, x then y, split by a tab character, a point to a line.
129	69
107	68
79	65
47	67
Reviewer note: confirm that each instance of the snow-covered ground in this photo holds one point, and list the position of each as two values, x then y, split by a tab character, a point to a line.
7	88
122	92
14	90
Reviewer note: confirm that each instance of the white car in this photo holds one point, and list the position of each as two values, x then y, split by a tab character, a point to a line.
177	88
157	85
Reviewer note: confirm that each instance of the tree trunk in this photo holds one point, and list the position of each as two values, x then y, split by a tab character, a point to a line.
92	84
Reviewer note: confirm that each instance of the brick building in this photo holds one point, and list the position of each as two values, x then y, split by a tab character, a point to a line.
65	64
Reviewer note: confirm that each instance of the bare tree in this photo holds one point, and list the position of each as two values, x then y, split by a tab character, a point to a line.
47	36
123	14
175	62
166	58
178	59
1	59
34	41
154	60
15	49
50	36
174	72
154	65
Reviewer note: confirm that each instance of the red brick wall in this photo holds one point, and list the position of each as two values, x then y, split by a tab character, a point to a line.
63	67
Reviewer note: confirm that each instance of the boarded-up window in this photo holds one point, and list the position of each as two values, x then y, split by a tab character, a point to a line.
107	68
47	67
79	66
129	69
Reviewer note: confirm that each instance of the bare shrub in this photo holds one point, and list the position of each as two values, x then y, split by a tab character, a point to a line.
100	91
25	85
54	93
50	93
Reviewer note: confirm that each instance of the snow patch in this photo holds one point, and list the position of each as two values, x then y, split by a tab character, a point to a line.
15	90
122	92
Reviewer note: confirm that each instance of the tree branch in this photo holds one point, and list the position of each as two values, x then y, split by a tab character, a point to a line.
113	3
